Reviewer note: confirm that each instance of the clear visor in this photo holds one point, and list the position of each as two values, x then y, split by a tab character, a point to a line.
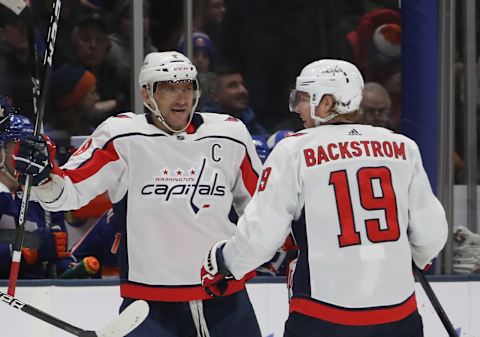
297	98
171	84
174	89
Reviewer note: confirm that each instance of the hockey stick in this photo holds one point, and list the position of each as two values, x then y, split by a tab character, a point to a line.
32	240
434	300
127	321
47	61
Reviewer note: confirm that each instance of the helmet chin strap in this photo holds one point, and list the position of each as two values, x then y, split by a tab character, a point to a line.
158	115
319	120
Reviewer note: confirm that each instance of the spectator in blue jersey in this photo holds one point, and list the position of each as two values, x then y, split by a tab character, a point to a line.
230	96
101	241
46	255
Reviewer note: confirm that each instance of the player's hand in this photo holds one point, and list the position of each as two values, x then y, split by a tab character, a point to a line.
214	274
34	156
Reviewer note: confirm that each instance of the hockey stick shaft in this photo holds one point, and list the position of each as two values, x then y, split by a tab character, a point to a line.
48	59
127	321
17	304
435	302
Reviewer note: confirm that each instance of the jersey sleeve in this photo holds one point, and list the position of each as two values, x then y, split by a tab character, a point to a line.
92	170
427	226
247	174
267	219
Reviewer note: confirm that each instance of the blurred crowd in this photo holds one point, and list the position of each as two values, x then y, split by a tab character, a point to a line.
244	69
246	54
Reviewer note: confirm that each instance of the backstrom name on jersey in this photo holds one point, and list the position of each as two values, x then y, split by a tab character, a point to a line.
345	150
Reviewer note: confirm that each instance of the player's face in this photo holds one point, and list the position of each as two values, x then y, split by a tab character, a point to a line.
175	101
302	108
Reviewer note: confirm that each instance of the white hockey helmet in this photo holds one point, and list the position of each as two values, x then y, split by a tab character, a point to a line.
338	78
170	66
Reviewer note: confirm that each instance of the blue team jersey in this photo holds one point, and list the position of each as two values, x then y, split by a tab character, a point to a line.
38	220
102	241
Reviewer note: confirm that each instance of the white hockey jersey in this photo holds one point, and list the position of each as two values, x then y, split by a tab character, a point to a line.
369	209
171	193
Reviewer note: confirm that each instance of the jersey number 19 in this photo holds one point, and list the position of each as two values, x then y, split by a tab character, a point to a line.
349	236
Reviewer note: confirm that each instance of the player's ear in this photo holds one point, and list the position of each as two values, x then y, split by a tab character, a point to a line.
328	101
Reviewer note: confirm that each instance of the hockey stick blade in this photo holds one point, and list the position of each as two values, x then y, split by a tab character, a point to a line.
15	6
129	320
126	322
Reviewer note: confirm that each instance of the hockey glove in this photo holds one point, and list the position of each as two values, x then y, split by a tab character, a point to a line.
214	274
60	241
261	146
53	247
34	156
274	139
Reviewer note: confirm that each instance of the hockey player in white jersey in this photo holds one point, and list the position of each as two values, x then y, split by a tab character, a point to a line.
369	210
172	176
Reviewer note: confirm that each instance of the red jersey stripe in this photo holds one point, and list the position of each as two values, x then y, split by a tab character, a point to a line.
249	175
177	294
99	159
356	317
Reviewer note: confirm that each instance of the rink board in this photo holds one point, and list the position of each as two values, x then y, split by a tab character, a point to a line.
93	306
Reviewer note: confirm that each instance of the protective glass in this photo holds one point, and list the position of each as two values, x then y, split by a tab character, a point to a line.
169	90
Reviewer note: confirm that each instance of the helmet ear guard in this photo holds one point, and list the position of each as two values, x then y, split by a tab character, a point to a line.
340	79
